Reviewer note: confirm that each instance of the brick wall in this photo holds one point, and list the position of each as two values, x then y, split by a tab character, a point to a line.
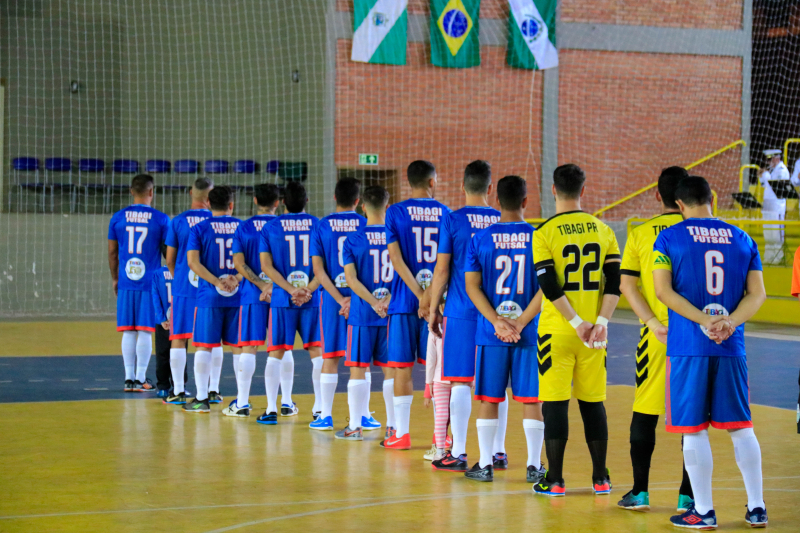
490	9
721	15
448	116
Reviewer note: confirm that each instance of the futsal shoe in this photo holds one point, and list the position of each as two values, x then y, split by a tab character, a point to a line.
197	406
448	443
635	502
214	397
535	475
147	386
691	519
349	434
289	409
129	386
176	399
162	393
390	431
430	454
602	486
757	517
449	463
322	424
549	488
476	473
268	419
500	461
369	424
316	414
684	503
233	409
398	443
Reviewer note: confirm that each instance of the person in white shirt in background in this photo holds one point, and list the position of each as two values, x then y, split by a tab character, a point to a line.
773	208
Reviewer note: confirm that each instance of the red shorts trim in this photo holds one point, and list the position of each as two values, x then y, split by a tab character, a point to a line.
333	355
393	364
136	328
461	379
314	344
376	363
204	345
180	337
360	365
279	347
234	344
687	429
524	399
252	343
126	328
489	399
732	425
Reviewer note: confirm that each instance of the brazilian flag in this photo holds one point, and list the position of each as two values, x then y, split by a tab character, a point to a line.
454	33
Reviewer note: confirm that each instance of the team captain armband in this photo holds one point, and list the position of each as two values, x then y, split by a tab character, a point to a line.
611	272
662	262
548	280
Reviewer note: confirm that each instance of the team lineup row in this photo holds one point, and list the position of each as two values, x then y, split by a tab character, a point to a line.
489	300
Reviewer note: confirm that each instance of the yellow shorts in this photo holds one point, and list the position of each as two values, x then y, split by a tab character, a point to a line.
566	366
651	374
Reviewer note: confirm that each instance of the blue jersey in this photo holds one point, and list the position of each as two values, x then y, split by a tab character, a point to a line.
709	260
414	225
246	241
177	237
327	242
366	249
213	238
288	240
161	292
503	254
139	231
455	233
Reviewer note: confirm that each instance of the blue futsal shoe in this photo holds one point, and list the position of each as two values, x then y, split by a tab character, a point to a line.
162	393
269	419
369	424
757	517
691	519
322	424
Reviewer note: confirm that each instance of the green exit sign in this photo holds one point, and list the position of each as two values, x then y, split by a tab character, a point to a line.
367	159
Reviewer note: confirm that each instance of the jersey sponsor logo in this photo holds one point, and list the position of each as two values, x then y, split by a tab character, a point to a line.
424	278
192	221
293	224
135	269
424	214
226	293
340	282
713	310
194	279
577	229
264	278
138	217
509	309
225	228
376	238
380	293
298	279
710	235
478	221
343	224
662	259
510	241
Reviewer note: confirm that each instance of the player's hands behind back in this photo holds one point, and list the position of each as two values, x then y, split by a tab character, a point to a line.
719	328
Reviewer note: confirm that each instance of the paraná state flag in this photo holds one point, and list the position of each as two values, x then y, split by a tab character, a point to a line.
380	31
532	34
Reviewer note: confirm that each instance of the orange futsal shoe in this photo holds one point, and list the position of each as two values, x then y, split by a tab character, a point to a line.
398	443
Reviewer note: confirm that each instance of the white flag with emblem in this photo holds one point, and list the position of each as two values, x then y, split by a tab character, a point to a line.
380	31
532	34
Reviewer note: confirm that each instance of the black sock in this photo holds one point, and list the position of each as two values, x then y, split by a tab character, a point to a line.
556	433
555	459
595	429
686	485
598	449
641	452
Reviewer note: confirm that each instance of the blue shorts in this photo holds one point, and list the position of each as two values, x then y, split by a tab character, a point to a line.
253	324
703	390
458	349
135	311
365	345
285	322
215	326
182	323
497	365
408	340
333	327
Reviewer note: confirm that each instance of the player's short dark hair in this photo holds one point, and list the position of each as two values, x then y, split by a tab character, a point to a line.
220	197
668	182
295	197
141	184
203	184
569	180
419	172
375	197
347	192
694	191
511	191
477	177
266	194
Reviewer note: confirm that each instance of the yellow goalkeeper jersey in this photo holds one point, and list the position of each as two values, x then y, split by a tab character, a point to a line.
577	245
638	258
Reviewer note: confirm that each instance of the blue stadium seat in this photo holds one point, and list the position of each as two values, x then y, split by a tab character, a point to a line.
217	166
25	164
273	166
91	165
157	166
58	164
187	166
244	166
126	166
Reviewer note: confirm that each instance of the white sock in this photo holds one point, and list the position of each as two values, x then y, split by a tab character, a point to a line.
368	377
402	412
244	377
316	372
499	445
388	400
202	369
748	457
534	434
356	394
487	427
144	349
272	379
236	357
328	383
287	377
700	466
177	364
460	410
216	369
129	354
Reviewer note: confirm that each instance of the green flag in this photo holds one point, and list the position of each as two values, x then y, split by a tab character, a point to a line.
380	31
454	33
532	34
